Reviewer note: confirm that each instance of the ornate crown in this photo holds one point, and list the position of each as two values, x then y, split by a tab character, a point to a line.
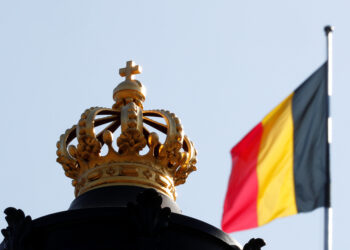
162	167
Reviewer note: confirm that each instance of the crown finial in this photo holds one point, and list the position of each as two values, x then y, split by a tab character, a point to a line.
130	89
140	158
130	70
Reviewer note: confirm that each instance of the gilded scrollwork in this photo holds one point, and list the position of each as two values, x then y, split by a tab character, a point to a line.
131	139
69	164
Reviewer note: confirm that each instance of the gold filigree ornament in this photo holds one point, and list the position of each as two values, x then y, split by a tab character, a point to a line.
162	167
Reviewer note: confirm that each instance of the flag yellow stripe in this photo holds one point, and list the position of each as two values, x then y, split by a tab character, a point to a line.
276	195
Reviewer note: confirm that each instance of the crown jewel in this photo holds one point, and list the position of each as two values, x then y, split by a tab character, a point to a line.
163	165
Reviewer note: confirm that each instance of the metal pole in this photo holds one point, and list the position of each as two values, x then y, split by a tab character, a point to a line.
328	209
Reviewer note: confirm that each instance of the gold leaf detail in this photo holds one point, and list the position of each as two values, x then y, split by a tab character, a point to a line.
94	175
147	174
110	171
128	171
161	181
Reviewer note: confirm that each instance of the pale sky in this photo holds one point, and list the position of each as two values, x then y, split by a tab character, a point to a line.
218	65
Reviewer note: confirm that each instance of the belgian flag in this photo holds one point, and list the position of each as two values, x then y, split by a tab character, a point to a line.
281	167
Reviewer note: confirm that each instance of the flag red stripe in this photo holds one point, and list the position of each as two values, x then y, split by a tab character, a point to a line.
240	208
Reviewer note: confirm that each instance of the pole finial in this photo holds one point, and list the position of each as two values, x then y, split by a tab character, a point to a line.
328	29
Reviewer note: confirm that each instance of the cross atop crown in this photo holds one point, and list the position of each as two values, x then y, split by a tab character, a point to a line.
130	70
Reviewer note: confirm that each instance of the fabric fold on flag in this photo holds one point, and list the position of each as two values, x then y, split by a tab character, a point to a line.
280	167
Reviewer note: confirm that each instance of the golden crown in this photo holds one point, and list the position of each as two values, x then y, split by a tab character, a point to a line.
162	167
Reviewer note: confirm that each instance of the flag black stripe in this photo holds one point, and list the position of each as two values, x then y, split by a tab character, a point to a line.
310	114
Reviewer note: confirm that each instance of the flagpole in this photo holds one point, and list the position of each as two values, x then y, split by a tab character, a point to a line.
328	209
